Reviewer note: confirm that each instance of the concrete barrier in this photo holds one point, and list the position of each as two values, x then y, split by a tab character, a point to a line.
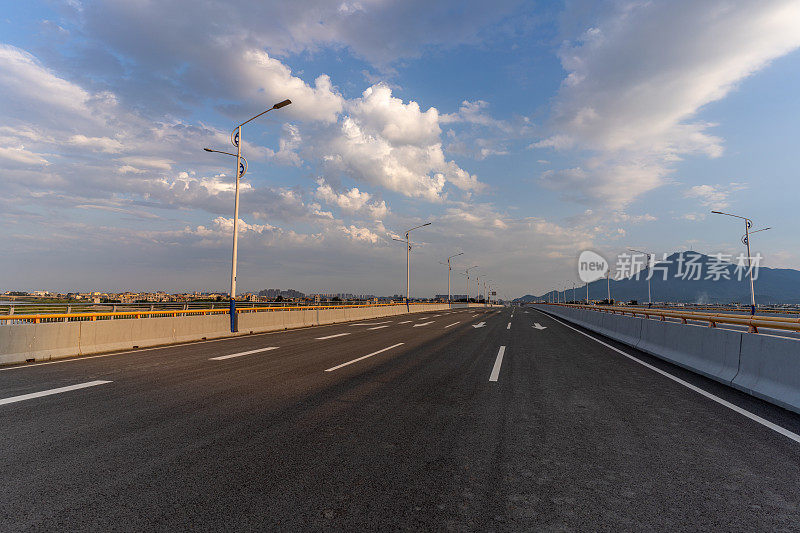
45	341
712	352
769	368
761	365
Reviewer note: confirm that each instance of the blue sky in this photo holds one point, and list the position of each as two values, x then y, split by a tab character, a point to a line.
526	132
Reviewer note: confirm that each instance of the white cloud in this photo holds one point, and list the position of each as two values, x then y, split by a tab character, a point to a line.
102	144
351	201
714	196
360	234
637	80
386	142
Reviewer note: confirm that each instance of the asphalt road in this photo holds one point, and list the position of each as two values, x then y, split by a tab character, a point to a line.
435	431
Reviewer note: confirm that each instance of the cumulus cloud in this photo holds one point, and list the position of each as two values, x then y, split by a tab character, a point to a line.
638	78
714	196
386	142
351	201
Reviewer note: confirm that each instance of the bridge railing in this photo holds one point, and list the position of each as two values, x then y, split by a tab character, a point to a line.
38	318
753	323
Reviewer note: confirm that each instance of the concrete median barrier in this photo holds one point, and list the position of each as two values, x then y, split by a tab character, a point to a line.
764	366
709	351
769	368
41	342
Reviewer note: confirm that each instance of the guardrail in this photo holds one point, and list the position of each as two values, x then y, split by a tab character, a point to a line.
118	315
753	323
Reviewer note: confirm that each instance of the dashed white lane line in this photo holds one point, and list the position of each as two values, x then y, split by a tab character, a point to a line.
378	327
371	323
423	324
434	316
453	324
508	326
332	336
755	418
337	367
497	364
49	392
232	355
404	322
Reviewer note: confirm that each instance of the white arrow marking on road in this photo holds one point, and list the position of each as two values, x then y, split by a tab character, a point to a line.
509	326
423	324
59	390
539	326
479	325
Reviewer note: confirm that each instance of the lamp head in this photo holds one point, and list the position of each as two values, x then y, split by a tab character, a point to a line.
208	149
282	104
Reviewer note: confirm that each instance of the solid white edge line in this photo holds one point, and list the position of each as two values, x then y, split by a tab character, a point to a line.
332	336
239	354
497	364
59	390
755	418
378	327
453	324
337	367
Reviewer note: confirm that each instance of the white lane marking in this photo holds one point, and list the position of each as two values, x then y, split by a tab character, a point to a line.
423	324
539	326
497	363
453	324
404	322
232	355
332	336
434	316
508	326
755	418
371	323
59	390
479	325
378	327
337	367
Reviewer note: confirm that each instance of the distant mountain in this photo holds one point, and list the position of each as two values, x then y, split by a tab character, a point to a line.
772	286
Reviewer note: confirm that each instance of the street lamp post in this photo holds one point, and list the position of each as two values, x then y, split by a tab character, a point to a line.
236	138
408	261
449	270
466	273
746	240
648	255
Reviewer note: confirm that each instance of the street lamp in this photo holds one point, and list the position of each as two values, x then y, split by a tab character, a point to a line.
466	273
236	137
746	241
408	260
649	274
449	269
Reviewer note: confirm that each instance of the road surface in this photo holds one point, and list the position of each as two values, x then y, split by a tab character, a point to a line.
419	422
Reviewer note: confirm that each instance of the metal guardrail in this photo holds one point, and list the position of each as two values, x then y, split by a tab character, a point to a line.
75	317
753	323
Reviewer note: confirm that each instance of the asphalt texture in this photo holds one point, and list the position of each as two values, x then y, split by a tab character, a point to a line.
572	436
